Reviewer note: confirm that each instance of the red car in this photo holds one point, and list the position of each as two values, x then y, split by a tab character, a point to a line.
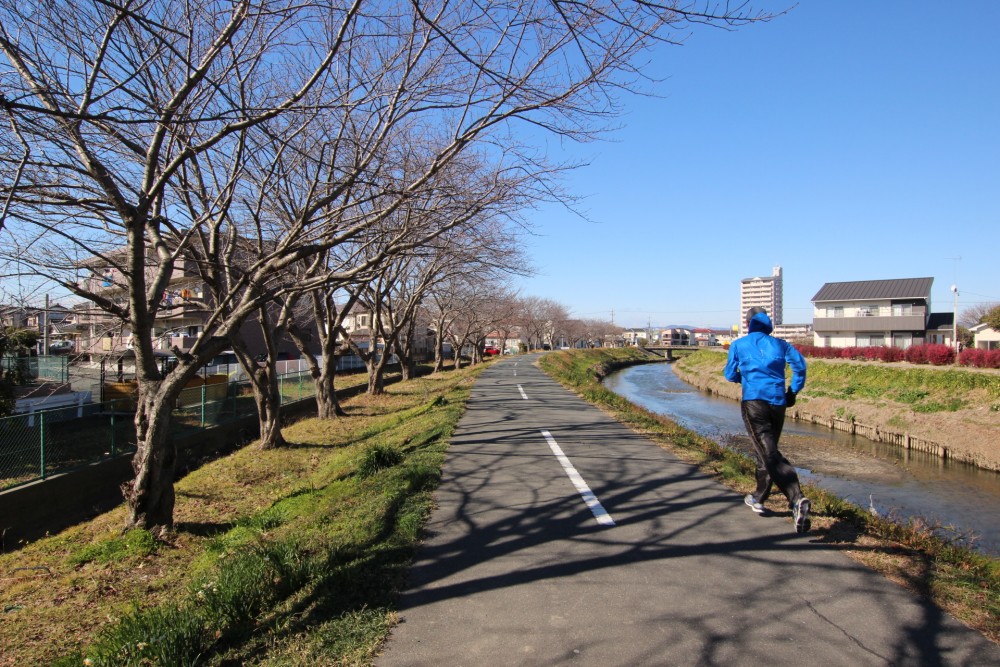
491	351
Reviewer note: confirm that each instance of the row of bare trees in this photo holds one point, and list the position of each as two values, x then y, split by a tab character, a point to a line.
300	155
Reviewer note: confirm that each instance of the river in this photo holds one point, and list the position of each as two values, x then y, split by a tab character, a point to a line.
962	499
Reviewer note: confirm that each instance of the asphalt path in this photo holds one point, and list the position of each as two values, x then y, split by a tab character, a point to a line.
560	536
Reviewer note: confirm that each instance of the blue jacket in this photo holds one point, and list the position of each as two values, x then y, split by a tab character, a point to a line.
757	361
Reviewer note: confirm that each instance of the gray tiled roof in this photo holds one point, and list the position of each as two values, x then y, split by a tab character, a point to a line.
900	288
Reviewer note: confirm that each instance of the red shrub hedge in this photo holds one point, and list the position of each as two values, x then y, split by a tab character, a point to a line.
938	355
980	358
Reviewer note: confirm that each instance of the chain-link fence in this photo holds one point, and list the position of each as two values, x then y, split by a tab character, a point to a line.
38	444
28	369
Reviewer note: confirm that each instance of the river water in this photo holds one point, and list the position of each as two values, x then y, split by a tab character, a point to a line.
962	499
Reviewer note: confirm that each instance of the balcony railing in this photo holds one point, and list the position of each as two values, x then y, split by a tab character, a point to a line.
873	318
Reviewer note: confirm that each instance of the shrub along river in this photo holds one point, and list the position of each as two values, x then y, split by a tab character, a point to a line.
904	484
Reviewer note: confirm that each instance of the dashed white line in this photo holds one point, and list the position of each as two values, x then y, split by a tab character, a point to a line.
588	496
521	389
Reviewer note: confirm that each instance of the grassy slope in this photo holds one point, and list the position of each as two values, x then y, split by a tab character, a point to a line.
922	389
284	557
965	583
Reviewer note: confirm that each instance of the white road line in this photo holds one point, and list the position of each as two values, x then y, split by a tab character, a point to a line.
521	389
588	496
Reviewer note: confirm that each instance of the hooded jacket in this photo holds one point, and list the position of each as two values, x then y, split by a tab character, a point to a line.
757	361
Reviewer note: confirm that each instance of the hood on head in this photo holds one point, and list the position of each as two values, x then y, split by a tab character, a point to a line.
760	322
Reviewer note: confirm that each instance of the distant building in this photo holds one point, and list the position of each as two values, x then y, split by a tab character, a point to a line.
635	337
677	336
875	313
793	331
762	292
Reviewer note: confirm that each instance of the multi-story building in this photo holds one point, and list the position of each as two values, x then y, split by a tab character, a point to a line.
677	336
762	292
876	313
185	306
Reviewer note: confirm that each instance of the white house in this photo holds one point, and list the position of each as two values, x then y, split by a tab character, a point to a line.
985	338
874	313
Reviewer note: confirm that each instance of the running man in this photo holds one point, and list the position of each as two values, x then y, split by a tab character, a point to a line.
757	361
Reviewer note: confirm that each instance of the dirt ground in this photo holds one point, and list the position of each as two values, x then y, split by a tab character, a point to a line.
971	435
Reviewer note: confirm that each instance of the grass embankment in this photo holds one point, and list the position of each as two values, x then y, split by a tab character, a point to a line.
964	582
920	389
291	556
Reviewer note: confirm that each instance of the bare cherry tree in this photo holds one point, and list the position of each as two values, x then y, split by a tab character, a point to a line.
121	115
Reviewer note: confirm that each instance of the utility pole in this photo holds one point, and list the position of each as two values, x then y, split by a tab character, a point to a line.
954	322
45	327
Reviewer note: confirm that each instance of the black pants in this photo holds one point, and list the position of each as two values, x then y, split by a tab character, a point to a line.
764	423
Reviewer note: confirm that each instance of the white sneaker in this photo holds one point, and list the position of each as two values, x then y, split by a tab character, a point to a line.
801	514
753	504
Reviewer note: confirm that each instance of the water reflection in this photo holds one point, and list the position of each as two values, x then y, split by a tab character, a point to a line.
891	479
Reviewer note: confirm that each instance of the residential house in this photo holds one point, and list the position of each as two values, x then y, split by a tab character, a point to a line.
635	337
985	338
359	325
866	313
705	337
185	306
940	328
677	336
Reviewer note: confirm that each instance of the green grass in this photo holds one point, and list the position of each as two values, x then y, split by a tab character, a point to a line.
292	556
925	390
136	543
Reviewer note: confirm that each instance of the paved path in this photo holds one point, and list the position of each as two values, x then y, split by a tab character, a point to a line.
664	567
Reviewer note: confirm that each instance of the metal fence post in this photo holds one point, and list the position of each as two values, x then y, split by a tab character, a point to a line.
41	442
203	406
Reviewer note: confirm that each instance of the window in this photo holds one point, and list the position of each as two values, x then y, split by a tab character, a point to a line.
900	309
902	340
835	311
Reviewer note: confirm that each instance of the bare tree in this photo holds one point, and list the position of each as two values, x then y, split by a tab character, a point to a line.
130	128
976	314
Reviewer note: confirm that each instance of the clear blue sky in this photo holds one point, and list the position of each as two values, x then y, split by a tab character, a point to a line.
843	141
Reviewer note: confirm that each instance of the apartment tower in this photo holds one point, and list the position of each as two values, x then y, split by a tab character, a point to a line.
763	292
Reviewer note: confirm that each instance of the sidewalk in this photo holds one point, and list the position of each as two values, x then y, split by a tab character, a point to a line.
519	570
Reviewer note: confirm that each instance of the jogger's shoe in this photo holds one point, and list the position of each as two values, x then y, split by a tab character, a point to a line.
753	504
801	514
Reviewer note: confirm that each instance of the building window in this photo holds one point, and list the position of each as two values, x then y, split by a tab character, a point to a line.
902	340
835	311
900	309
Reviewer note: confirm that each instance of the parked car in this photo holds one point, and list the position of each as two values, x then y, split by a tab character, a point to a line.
491	351
61	346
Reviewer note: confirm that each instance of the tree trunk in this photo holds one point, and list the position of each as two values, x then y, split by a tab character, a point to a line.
327	405
150	494
267	395
376	374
